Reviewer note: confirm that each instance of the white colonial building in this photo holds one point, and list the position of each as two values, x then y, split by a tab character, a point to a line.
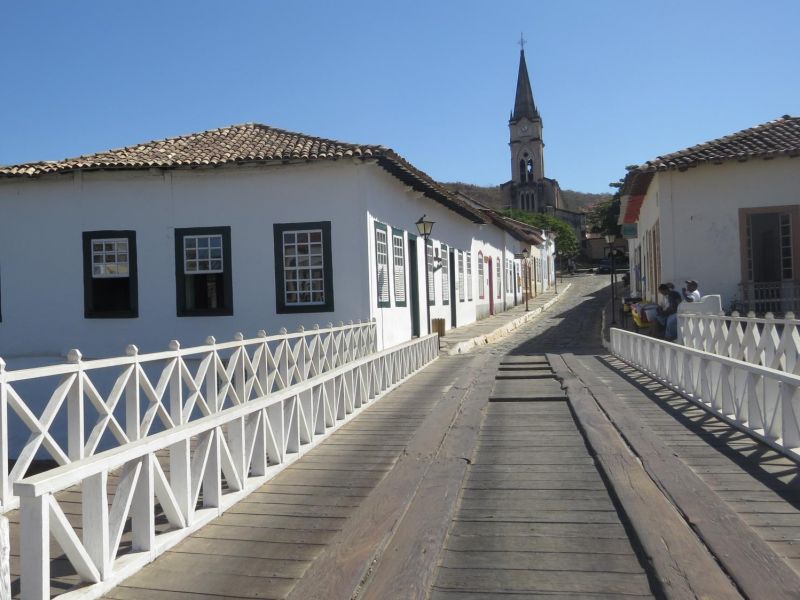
240	229
725	213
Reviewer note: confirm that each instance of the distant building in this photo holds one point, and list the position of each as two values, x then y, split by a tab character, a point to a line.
725	213
528	188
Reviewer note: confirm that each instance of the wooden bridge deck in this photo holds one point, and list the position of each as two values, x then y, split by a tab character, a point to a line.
492	475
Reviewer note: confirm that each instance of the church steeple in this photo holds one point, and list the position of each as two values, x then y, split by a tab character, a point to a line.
526	144
523	103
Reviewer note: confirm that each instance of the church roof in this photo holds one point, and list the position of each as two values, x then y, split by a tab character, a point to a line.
249	143
523	103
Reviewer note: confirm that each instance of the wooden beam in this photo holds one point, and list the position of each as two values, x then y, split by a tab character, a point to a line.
755	567
681	566
359	548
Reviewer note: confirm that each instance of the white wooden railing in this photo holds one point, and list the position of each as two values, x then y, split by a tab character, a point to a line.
761	401
769	342
147	393
214	461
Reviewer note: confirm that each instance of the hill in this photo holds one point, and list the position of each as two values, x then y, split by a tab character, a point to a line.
496	197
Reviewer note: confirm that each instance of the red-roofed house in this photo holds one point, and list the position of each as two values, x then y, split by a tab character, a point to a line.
725	213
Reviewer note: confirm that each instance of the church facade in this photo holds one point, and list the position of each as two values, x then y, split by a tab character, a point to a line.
529	189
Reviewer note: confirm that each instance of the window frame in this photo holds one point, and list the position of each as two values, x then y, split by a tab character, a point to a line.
278	229
468	260
445	273
462	296
226	309
498	278
481	277
381	228
399	233
89	312
431	282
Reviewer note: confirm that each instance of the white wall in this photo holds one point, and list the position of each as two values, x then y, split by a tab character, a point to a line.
699	218
41	251
41	259
402	211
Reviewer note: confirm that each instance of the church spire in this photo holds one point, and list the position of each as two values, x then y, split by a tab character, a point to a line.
523	103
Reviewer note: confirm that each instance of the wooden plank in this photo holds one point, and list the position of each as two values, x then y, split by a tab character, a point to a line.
757	569
538	544
541	561
410	569
366	535
680	563
542	582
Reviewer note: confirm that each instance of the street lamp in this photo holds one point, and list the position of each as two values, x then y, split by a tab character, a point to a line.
526	276
424	228
610	238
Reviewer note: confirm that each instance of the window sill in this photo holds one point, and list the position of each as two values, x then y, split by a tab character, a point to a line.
112	315
206	313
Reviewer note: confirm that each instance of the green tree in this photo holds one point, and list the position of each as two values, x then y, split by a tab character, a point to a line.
602	217
566	240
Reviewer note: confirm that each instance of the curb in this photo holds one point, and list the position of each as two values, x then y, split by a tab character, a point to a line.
501	332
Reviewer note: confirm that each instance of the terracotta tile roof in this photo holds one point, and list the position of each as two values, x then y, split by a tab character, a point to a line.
775	138
250	143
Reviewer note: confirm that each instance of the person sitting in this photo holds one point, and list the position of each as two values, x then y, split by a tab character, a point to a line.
667	314
690	292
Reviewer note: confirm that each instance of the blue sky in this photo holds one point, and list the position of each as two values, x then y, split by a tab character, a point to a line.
617	82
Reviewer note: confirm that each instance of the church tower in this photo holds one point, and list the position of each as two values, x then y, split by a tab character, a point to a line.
527	146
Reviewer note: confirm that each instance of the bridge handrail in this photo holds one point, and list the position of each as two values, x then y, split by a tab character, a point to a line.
184	384
244	445
761	401
767	341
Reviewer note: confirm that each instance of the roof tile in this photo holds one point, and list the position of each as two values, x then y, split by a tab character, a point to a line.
775	138
242	144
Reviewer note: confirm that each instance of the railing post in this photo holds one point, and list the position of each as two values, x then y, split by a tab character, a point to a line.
212	379
75	429
5	488
142	508
236	428
283	366
133	415
180	475
35	547
5	558
94	505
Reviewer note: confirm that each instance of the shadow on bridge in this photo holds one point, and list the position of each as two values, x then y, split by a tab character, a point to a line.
772	470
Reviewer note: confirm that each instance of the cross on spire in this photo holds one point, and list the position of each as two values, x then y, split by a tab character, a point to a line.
522	41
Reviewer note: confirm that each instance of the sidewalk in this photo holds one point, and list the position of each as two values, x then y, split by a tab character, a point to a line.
489	330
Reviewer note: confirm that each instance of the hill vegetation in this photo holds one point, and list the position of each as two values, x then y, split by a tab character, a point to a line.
497	197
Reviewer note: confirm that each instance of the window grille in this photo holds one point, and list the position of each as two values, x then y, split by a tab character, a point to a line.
202	254
303	267
110	258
